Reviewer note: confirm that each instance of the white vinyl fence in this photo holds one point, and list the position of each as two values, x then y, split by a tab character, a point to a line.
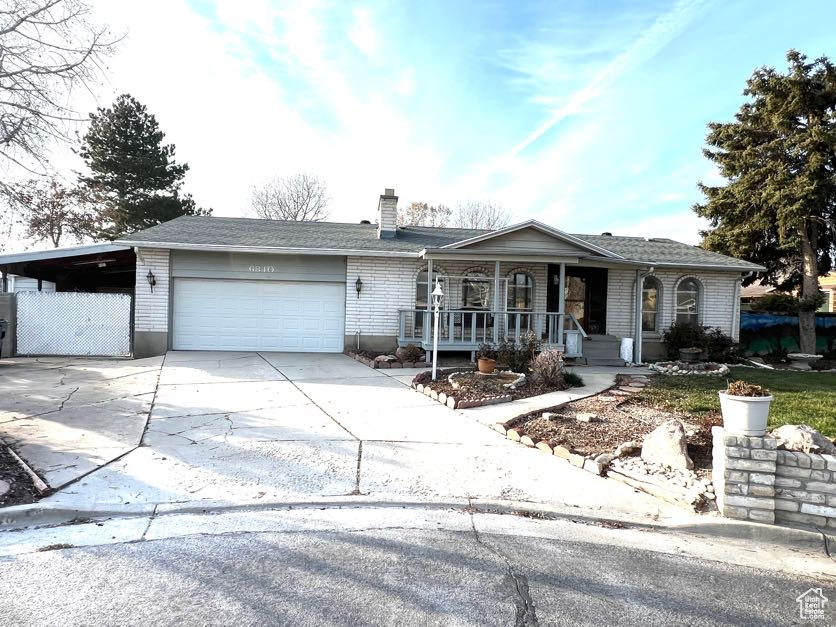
73	323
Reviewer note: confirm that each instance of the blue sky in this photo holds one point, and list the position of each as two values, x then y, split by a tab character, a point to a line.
589	116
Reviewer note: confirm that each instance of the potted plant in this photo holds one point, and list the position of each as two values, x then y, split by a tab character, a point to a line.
745	408
486	359
690	354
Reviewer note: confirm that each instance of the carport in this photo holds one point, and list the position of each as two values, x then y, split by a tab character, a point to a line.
90	312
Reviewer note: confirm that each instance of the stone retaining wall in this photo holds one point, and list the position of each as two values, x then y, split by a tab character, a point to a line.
754	481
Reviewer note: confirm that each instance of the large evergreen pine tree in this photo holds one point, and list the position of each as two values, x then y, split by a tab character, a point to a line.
133	178
778	205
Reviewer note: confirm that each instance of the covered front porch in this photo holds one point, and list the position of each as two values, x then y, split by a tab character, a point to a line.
477	309
527	278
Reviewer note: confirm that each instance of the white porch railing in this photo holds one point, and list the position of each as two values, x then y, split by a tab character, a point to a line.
465	329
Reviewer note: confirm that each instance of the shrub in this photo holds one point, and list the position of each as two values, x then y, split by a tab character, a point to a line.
486	351
518	356
572	380
779	303
547	367
718	346
683	335
410	352
721	347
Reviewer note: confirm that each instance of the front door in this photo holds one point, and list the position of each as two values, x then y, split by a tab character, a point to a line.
585	294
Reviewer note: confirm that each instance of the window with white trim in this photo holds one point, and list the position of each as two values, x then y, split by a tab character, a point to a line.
688	301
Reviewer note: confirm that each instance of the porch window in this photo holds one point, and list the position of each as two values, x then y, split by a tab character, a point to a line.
520	292
421	287
476	291
651	291
688	301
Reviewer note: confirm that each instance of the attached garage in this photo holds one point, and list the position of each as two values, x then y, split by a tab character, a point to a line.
239	301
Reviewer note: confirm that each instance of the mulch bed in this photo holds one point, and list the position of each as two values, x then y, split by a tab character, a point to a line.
22	489
620	420
480	387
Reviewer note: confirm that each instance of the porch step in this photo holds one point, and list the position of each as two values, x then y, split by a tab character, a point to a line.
594	361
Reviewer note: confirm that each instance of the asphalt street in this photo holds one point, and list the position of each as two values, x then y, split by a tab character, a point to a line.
449	575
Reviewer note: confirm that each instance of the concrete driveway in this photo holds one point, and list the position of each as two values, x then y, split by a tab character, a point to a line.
248	428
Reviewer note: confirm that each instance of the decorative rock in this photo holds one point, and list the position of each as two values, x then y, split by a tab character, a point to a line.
420	388
442	398
383	358
562	451
604	459
803	438
548	415
4	487
576	460
434	395
498	426
627	448
666	445
527	441
544	446
451	402
513	434
586	417
593	466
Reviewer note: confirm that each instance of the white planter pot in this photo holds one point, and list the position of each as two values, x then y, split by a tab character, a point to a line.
745	415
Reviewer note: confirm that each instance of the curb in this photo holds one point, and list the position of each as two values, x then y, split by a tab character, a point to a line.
22	516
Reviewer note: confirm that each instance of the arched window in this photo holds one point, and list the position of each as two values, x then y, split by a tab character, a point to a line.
651	303
520	291
688	301
476	291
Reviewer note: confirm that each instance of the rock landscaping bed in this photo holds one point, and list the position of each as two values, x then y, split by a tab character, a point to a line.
603	434
385	360
16	484
461	388
679	368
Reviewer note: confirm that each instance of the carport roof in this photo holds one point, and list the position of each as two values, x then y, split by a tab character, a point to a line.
217	233
58	253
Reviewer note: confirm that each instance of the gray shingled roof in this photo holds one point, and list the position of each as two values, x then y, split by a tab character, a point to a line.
255	233
215	231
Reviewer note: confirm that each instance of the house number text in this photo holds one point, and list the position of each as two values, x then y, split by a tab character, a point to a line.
262	268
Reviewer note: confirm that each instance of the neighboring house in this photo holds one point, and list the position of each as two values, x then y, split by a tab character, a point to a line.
828	286
750	294
212	283
15	283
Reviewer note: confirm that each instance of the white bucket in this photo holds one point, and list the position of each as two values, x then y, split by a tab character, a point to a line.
745	415
626	351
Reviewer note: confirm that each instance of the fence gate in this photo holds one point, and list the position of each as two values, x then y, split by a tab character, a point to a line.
73	323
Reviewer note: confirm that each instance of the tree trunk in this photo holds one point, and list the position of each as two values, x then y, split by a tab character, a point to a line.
809	290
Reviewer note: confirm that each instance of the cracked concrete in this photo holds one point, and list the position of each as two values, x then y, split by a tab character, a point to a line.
67	418
239	429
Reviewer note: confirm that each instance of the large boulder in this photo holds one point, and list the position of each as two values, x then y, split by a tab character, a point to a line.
803	438
668	446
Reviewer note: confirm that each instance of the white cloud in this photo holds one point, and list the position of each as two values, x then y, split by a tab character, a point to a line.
362	32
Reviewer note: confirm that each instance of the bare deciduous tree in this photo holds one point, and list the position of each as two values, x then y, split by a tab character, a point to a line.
478	214
300	197
51	211
422	214
47	48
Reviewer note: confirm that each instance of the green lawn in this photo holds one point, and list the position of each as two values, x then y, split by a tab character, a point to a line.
800	397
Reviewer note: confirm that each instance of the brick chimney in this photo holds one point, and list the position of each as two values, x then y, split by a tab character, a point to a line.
387	214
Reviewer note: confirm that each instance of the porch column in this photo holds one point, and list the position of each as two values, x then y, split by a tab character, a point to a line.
561	305
429	318
496	303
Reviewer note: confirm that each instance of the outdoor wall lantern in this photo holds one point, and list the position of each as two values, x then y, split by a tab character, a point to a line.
358	285
152	280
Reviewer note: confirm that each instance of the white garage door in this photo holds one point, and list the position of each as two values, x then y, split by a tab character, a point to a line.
213	314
